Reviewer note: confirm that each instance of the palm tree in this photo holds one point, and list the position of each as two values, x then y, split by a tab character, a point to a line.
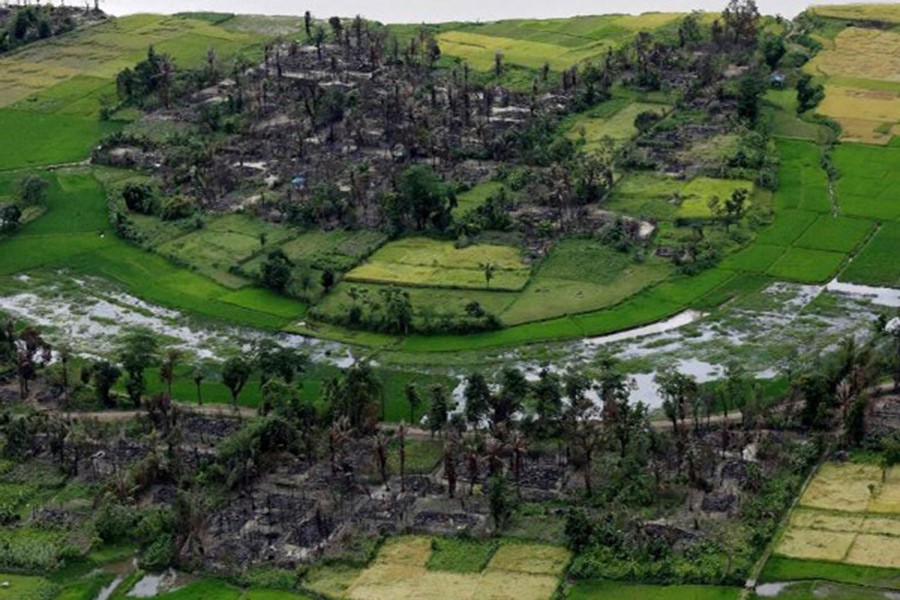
167	368
198	380
488	269
64	355
338	437
379	442
401	438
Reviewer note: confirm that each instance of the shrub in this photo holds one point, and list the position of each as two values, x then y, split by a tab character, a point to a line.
176	207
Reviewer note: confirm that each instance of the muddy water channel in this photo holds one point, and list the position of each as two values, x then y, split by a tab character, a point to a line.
766	333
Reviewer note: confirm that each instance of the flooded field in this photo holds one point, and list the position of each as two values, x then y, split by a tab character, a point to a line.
757	331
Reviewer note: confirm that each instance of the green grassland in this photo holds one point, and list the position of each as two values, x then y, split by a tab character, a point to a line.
634	591
475	197
581	275
432	263
223	243
619	126
877	263
780	568
50	91
74	234
654	196
807	266
802	183
869	181
560	43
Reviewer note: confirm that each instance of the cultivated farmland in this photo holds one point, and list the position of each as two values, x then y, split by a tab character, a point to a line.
561	43
403	569
862	72
849	514
430	263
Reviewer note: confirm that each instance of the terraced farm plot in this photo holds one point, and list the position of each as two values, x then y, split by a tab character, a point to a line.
649	195
50	91
869	181
432	263
614	590
849	514
756	258
43	138
516	572
807	266
479	51
221	244
425	300
619	126
865	115
787	228
338	250
863	52
561	43
582	275
802	183
475	197
74	234
838	234
863	88
882	13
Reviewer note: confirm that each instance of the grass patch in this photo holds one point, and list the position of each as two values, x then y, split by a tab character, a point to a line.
460	555
807	266
838	234
619	126
25	587
780	568
475	197
609	590
756	258
876	264
433	263
869	178
43	139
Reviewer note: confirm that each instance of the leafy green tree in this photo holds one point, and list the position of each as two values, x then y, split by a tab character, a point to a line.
513	391
235	373
10	215
422	198
548	408
356	395
139	197
276	271
501	501
197	377
137	351
167	368
413	399
104	375
398	310
439	409
741	18
773	49
31	190
478	398
809	94
750	88
327	280
274	360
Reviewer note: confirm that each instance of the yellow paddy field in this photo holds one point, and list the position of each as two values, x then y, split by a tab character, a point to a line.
849	513
516	572
863	83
